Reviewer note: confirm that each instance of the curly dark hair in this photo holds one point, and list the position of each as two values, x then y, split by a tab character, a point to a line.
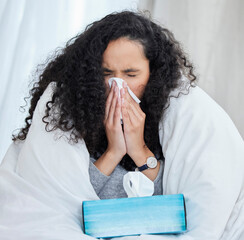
80	87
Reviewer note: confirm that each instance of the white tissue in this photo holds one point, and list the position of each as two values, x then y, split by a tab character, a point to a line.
119	82
136	184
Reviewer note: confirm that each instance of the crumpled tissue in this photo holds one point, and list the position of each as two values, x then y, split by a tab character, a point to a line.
136	184
119	82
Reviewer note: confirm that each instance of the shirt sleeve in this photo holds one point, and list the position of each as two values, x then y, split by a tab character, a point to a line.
97	178
158	189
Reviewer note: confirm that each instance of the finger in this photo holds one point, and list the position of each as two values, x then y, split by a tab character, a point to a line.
117	112
134	111
133	118
131	100
113	105
109	100
126	93
131	107
125	115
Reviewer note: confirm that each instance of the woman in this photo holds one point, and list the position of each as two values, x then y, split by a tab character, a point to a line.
199	148
149	60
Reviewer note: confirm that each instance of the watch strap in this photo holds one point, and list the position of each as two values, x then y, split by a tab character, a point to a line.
143	167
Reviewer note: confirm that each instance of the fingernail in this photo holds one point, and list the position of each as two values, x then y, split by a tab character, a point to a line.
115	88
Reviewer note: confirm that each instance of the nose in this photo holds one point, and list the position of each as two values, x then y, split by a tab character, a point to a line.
118	75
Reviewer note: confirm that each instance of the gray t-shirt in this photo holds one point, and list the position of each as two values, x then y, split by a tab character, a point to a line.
107	187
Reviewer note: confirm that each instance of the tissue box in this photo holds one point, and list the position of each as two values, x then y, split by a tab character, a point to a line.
160	214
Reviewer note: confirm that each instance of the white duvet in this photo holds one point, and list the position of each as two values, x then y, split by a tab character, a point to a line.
44	179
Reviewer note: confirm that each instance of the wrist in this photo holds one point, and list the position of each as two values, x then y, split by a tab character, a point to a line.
107	162
140	157
113	155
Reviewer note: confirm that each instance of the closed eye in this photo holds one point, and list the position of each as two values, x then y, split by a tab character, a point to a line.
129	75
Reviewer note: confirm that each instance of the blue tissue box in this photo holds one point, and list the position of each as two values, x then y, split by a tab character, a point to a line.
160	214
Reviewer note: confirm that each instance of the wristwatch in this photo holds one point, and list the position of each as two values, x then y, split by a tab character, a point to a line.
152	162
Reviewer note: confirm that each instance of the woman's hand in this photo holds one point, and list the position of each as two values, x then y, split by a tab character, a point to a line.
133	121
114	132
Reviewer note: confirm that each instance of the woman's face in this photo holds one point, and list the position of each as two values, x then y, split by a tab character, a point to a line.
124	58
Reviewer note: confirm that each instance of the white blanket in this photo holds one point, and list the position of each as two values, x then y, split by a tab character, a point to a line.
44	179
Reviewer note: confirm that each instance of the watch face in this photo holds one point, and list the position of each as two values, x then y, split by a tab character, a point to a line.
152	162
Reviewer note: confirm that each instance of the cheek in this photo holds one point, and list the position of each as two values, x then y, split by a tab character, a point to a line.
138	89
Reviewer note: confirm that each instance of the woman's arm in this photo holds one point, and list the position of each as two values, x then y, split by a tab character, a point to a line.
134	123
107	162
140	158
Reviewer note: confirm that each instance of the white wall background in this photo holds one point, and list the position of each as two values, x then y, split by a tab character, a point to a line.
211	31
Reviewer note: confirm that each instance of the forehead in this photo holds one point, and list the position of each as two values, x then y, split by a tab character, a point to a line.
124	53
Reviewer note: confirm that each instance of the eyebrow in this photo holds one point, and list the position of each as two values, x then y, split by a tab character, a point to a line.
125	71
